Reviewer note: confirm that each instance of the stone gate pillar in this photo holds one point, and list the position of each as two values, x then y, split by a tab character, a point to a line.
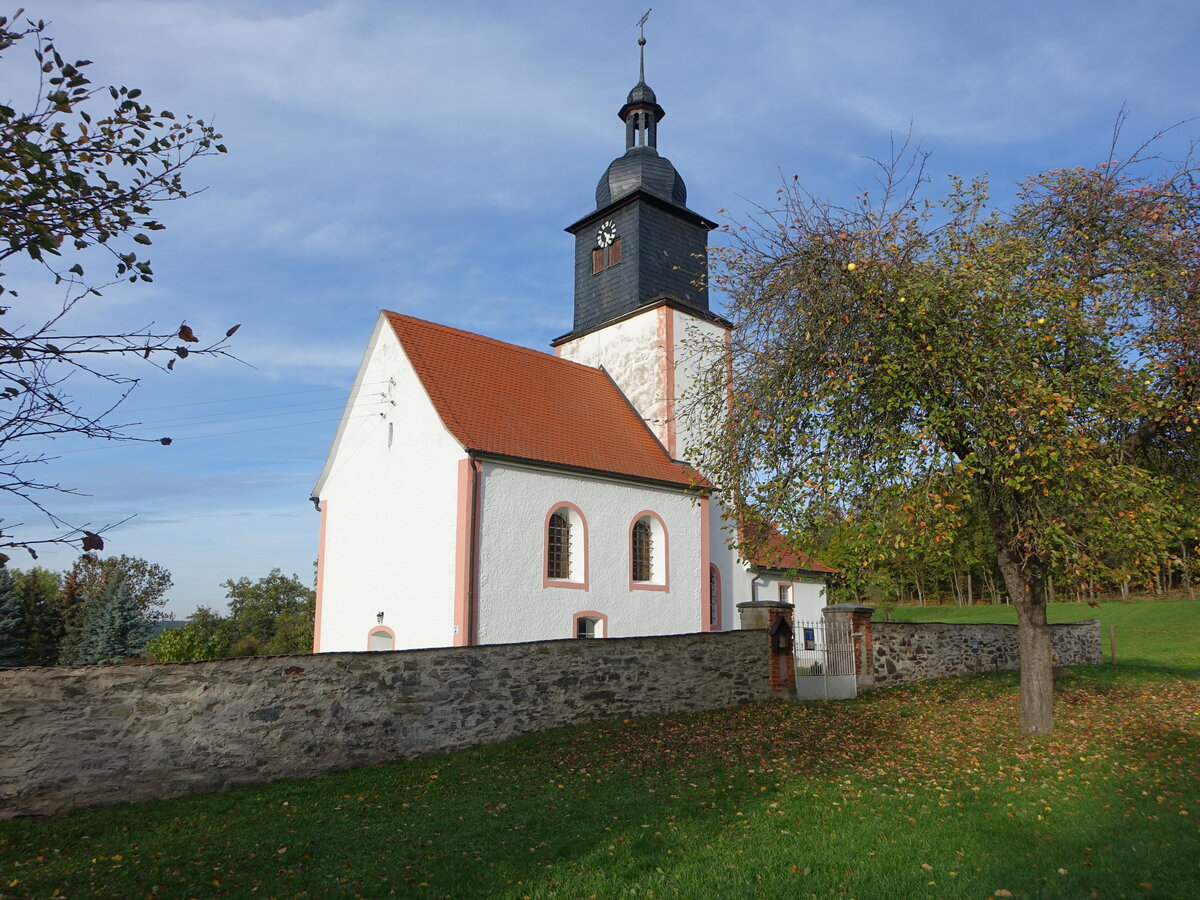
859	619
777	619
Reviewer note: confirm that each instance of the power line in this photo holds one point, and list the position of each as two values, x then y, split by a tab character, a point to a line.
240	399
197	437
251	414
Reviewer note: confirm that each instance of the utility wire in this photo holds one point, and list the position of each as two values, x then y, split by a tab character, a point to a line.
196	437
211	419
240	399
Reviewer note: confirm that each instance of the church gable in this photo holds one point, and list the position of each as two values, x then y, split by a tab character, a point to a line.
517	403
388	498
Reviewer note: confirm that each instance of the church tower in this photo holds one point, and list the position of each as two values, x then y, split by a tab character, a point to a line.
641	259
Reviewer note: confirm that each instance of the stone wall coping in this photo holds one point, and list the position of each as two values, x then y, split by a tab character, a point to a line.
986	624
765	604
314	658
850	607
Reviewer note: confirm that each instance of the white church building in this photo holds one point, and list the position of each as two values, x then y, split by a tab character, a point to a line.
479	492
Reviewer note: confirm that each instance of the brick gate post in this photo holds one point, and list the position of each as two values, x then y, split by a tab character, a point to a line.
859	618
777	618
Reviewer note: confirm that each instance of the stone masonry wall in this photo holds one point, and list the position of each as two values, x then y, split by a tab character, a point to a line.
915	651
81	737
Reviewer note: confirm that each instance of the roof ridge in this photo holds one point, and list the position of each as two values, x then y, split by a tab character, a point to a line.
501	398
508	345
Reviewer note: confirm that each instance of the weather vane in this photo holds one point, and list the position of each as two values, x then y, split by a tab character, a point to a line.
641	24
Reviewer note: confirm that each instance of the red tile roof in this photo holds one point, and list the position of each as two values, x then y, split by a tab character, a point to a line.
763	546
511	401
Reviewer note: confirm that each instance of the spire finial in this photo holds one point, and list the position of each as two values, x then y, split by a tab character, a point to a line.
641	23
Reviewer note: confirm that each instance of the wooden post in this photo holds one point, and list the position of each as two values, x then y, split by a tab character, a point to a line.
1112	643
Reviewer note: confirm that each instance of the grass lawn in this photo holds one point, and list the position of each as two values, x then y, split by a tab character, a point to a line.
913	792
1158	634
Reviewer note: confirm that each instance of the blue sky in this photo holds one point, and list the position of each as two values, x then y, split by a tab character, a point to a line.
425	157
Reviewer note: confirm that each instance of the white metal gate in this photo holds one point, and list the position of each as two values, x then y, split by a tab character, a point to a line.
824	653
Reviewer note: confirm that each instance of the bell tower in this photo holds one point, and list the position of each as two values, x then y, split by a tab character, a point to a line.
641	261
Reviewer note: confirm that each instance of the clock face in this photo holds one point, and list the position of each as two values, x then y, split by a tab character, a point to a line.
607	234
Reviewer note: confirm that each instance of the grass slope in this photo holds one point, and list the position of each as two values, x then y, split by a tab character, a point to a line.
1154	633
913	792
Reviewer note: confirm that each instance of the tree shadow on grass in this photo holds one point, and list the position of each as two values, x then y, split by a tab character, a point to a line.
780	799
1126	671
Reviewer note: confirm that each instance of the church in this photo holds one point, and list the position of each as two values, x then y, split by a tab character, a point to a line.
479	492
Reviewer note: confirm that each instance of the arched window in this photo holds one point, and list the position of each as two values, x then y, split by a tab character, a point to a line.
643	550
558	546
648	552
589	624
565	556
714	598
381	638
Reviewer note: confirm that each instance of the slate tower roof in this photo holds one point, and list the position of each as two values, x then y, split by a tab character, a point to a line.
641	244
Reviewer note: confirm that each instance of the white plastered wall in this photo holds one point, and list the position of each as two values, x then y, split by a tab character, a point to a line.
699	346
391	485
807	592
632	352
513	604
635	353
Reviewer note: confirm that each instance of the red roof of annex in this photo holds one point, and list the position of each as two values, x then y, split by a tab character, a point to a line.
763	546
512	401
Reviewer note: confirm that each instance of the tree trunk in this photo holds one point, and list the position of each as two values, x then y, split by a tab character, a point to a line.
1026	584
1035	712
970	591
989	584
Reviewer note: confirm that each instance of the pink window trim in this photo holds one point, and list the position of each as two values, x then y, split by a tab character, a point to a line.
381	629
709	625
601	620
547	582
666	555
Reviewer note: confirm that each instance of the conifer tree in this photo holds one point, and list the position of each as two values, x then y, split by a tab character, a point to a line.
12	622
113	628
42	611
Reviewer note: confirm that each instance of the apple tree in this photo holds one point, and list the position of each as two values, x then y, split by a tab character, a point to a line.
900	365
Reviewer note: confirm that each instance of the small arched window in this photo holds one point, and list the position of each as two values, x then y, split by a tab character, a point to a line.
381	638
589	624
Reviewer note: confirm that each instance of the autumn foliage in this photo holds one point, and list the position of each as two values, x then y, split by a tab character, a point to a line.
904	369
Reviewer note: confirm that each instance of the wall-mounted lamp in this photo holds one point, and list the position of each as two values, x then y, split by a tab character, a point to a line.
379	617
